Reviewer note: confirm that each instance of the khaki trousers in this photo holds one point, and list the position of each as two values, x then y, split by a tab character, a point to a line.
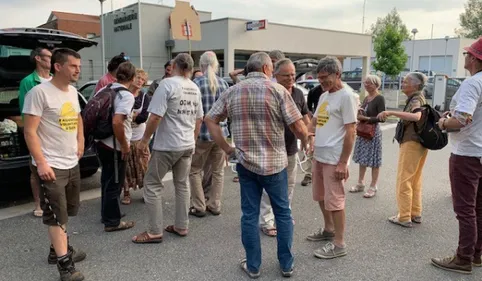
207	151
411	160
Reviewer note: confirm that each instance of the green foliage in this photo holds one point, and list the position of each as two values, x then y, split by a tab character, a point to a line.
471	20
391	57
393	19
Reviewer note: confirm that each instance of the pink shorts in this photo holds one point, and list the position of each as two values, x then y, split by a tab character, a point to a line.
326	187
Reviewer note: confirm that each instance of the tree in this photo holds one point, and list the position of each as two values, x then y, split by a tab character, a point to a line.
471	20
393	19
390	54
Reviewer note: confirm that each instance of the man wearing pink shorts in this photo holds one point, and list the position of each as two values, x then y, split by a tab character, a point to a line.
334	126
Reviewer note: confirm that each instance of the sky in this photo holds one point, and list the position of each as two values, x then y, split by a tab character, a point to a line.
344	15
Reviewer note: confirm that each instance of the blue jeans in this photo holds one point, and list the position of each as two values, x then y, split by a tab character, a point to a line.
276	186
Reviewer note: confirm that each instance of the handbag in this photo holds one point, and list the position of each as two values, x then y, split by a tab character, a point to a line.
363	128
366	130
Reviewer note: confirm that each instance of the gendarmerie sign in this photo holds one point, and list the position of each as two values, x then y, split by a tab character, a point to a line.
124	19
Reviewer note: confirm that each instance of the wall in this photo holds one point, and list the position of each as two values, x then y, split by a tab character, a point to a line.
91	60
80	28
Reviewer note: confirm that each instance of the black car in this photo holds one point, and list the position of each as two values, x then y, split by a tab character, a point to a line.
15	47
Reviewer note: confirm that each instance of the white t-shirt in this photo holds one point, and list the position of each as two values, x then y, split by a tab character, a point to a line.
468	99
334	111
59	118
123	104
43	80
178	101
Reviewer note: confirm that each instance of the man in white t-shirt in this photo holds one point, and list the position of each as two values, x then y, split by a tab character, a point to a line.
334	126
55	137
114	158
465	164
176	116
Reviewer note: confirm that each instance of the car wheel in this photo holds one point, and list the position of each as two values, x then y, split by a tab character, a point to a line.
88	173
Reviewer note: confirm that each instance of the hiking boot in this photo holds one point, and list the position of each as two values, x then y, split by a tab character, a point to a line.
330	251
307	180
454	264
321	235
67	270
77	255
477	262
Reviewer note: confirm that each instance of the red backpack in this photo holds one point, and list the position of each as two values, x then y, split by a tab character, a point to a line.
97	115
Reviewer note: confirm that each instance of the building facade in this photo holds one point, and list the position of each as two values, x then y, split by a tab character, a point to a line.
442	56
228	37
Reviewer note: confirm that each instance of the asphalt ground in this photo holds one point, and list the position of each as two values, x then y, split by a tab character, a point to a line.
377	250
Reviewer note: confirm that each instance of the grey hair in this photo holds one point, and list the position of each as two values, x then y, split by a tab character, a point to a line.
257	61
280	63
374	79
210	66
330	65
276	55
419	78
184	63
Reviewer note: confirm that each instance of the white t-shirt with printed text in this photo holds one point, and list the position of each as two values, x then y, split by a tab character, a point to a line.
59	118
123	104
178	101
334	111
468	99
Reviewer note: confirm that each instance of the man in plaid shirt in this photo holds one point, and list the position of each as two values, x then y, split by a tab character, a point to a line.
259	110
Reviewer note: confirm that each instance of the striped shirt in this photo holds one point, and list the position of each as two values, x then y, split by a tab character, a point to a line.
208	99
258	109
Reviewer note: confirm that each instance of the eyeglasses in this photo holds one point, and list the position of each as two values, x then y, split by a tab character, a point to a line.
288	75
465	53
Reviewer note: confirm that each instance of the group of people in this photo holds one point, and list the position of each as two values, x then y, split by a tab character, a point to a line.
180	125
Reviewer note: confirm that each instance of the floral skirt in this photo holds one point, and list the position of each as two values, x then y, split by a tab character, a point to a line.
369	152
136	168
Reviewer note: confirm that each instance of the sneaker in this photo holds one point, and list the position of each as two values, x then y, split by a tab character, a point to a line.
306	181
357	188
477	262
454	264
288	273
77	255
396	220
244	267
67	270
330	251
321	235
417	219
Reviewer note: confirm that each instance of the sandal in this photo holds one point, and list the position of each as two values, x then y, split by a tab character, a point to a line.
357	188
172	229
123	225
195	212
396	220
38	213
372	191
271	232
126	200
236	179
144	238
244	267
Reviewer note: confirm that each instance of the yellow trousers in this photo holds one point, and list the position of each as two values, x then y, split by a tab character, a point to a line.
411	160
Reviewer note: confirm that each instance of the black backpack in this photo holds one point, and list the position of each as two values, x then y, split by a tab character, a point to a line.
429	133
97	115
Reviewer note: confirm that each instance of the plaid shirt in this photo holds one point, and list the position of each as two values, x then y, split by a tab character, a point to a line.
258	109
208	100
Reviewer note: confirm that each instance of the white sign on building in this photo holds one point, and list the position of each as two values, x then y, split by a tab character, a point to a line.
256	25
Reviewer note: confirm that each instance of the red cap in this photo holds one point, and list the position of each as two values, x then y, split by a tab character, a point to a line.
475	49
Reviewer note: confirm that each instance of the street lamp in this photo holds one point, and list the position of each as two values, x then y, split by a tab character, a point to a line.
363	19
445	56
414	32
102	34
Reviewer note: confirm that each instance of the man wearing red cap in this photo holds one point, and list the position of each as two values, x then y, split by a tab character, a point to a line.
465	164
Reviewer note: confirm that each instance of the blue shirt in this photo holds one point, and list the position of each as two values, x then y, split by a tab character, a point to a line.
208	99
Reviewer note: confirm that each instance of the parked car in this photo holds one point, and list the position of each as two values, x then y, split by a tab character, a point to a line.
453	85
87	89
14	66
